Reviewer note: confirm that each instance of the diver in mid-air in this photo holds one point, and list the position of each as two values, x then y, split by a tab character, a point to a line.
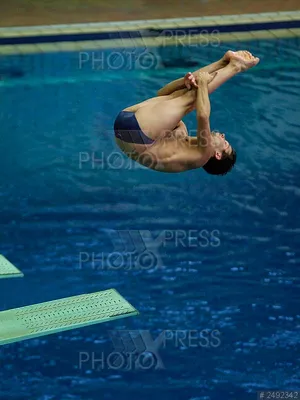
153	133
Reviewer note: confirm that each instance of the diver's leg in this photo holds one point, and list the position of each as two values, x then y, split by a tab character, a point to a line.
179	83
243	58
157	118
222	76
214	67
239	61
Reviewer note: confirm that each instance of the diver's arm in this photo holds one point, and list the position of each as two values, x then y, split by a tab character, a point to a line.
172	87
203	111
186	83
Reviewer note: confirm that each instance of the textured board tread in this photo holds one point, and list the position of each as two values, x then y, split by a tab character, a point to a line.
61	315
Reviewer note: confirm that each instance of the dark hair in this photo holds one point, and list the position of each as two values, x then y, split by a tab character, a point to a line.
223	166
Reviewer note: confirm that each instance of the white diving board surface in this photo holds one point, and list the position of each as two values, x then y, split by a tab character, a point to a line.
61	315
7	270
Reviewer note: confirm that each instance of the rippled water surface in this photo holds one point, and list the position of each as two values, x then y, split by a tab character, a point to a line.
230	259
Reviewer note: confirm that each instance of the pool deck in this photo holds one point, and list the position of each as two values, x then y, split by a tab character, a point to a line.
33	12
155	33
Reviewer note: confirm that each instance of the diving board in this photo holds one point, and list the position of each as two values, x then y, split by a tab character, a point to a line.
61	315
7	270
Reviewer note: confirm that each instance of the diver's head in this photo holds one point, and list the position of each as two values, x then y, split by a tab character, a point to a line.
224	157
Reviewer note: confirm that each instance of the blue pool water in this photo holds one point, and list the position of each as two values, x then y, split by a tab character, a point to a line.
230	259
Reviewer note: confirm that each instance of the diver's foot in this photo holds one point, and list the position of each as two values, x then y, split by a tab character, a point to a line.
242	59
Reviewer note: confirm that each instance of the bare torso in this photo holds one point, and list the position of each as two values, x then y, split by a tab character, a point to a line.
172	151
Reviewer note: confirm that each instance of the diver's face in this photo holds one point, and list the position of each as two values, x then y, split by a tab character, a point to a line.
220	144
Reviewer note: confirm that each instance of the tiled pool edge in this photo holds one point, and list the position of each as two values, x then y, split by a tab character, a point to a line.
166	32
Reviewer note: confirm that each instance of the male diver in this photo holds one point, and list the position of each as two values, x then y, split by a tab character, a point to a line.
153	133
